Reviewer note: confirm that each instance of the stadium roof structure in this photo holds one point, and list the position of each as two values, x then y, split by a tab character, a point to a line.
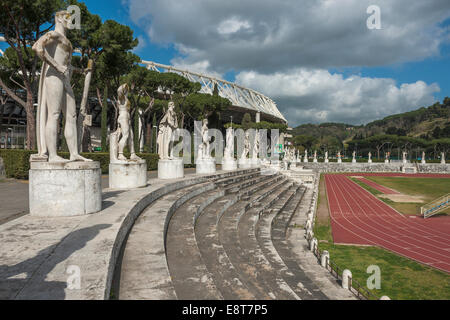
238	95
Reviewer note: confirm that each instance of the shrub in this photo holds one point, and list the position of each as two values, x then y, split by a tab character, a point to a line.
17	162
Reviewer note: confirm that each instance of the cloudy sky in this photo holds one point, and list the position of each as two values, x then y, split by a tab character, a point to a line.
316	58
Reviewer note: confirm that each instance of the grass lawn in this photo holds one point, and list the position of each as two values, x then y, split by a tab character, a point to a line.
401	278
428	188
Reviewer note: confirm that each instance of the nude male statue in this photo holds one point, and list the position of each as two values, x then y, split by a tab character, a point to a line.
55	92
124	133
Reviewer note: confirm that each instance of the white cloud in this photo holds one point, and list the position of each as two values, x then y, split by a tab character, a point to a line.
316	95
232	25
284	48
273	35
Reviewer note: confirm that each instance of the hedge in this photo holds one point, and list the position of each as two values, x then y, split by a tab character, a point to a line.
17	162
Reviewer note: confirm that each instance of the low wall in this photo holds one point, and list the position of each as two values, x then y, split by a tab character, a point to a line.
375	167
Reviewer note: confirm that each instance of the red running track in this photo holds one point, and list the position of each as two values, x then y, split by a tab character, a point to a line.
401	175
378	187
358	217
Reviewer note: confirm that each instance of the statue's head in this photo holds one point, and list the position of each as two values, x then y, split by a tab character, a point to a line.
123	90
64	18
171	106
205	121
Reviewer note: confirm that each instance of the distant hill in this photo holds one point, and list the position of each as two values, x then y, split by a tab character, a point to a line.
427	123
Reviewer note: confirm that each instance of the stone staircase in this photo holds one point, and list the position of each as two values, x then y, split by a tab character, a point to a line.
436	206
223	238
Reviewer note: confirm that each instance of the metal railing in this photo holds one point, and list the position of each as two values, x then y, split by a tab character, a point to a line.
435	206
355	287
238	95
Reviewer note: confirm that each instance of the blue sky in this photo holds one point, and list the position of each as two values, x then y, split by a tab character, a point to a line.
317	60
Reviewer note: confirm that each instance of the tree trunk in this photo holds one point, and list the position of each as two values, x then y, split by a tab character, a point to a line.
104	125
148	135
31	123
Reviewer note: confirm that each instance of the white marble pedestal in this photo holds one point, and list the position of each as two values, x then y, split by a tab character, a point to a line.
255	162
353	161
65	189
315	161
386	161
170	169
370	161
244	163
424	161
206	166
128	174
293	164
339	161
327	161
229	164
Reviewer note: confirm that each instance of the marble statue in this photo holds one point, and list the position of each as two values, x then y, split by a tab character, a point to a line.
229	148
443	158
168	124
55	93
370	157
305	160
255	150
326	157
339	157
354	157
204	148
246	149
315	156
404	156
423	158
124	134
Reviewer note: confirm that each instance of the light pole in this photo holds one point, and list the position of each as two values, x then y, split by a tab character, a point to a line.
12	136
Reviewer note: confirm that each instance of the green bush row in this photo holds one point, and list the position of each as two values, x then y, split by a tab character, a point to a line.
17	162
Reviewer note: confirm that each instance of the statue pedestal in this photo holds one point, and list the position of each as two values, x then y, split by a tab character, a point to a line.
423	161
386	161
244	163
206	166
370	161
327	161
339	161
128	174
170	169
354	161
65	189
443	162
229	164
255	162
315	161
293	165
305	161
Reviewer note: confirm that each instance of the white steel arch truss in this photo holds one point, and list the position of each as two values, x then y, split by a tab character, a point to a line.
238	95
